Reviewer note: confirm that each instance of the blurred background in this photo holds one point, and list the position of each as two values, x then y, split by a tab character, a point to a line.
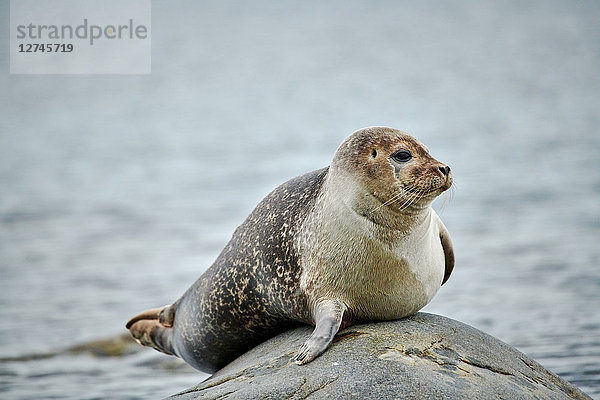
117	192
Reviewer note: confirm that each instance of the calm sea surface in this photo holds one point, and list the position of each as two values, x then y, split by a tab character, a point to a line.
117	192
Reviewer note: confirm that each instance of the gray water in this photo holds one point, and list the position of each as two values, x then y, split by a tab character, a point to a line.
117	192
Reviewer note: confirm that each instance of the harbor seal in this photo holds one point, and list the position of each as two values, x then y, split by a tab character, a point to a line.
353	242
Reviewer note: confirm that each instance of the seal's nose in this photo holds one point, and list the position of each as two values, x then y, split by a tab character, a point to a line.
445	170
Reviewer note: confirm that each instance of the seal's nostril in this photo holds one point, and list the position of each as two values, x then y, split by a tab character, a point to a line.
445	170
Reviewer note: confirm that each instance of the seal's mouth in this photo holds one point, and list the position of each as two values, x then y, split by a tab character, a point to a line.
435	187
411	194
420	192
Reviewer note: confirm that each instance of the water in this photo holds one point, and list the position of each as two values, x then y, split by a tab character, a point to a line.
116	192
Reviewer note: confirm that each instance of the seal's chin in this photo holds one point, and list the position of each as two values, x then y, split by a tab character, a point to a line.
447	184
442	186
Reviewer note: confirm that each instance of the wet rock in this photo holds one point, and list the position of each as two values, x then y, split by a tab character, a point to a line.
425	356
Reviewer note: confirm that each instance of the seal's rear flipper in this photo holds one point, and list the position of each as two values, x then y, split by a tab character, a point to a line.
154	328
152	334
148	314
165	315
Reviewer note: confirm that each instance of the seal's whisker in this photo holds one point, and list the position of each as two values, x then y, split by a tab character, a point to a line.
444	202
394	198
448	197
418	196
453	189
414	196
389	201
408	200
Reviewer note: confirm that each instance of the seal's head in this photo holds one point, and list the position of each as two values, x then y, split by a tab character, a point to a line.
395	171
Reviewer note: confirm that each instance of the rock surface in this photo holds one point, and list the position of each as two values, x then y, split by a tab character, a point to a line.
425	356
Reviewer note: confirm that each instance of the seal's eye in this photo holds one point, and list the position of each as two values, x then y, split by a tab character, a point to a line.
402	156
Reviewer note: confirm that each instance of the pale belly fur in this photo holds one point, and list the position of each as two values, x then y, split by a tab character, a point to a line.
379	275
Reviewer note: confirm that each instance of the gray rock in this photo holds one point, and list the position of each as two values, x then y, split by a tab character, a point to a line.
425	356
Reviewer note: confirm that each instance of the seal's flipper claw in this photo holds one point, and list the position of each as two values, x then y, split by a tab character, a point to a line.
148	314
301	357
312	348
328	317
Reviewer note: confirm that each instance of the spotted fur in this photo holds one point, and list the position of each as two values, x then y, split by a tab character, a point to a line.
252	290
326	248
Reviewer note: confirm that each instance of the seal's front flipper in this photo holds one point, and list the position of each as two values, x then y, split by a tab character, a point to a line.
328	318
448	251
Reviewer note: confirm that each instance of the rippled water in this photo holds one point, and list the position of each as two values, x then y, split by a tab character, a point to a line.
116	192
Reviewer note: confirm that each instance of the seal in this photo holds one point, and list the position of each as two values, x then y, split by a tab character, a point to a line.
353	242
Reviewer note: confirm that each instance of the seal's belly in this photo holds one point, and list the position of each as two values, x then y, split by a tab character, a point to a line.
398	283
